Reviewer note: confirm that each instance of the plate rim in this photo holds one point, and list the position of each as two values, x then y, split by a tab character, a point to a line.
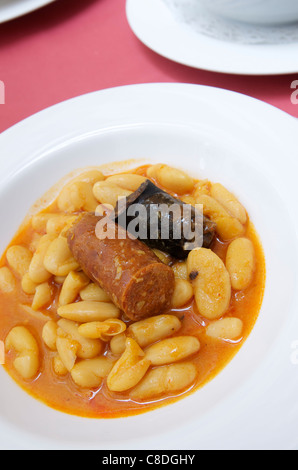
10	12
172	87
140	29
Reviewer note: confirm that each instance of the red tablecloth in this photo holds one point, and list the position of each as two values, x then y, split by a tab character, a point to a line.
72	47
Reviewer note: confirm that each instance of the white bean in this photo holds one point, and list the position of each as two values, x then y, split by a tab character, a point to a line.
58	366
56	224
49	334
240	263
175	180
129	369
86	311
147	331
183	293
211	282
58	259
153	329
164	380
127	181
108	193
23	342
37	271
91	175
229	202
19	259
33	244
202	187
39	221
72	285
117	344
228	227
103	330
172	350
180	270
87	348
42	296
67	350
152	171
94	293
188	200
77	196
7	280
89	373
28	286
226	329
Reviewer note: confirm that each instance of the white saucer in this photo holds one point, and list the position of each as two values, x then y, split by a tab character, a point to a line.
185	32
10	9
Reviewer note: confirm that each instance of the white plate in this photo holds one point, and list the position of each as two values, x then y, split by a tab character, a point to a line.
248	146
10	9
211	43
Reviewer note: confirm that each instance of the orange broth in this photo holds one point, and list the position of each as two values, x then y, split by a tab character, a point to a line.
61	393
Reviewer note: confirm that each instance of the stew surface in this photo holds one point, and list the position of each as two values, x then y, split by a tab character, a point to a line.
54	365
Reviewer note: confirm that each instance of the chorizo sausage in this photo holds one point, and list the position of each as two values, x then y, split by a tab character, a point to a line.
134	277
